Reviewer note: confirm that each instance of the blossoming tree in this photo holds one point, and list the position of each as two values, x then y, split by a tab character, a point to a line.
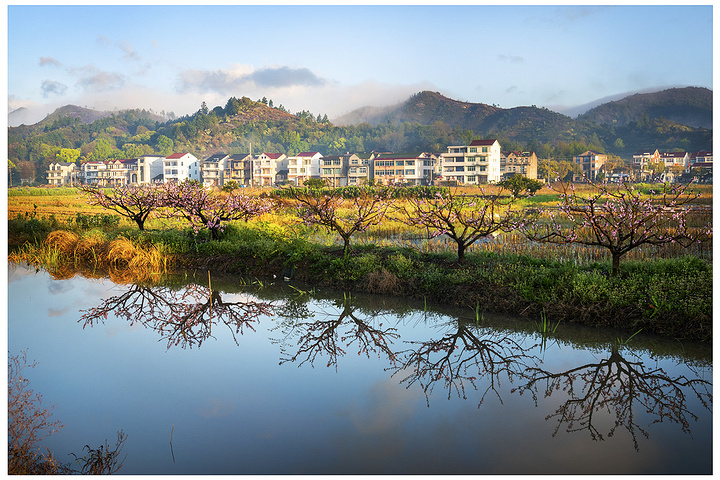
345	217
205	209
463	218
620	219
133	202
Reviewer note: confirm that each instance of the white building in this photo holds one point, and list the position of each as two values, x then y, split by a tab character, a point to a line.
62	173
267	168
404	168
179	167
303	166
150	169
476	163
681	159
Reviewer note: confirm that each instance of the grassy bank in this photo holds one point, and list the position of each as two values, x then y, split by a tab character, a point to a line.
672	296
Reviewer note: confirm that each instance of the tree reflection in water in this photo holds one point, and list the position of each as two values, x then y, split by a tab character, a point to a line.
618	386
336	330
182	316
612	391
464	356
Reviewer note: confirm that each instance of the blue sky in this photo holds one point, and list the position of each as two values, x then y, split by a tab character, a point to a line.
333	59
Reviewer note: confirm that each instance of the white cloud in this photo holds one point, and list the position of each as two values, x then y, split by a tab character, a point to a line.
241	77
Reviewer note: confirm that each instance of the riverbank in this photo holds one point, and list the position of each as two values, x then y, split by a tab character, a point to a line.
671	297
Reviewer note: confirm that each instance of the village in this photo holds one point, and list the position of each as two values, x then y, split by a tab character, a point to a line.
480	162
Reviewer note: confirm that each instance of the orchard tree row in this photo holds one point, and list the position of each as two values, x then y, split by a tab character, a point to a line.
618	219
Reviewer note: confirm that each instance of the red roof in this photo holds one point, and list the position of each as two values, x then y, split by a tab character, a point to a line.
176	155
475	143
274	156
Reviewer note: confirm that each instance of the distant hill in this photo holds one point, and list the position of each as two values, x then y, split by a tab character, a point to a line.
85	115
690	106
426	108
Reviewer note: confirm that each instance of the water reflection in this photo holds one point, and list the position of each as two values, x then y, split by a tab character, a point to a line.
183	316
620	388
332	331
466	355
600	397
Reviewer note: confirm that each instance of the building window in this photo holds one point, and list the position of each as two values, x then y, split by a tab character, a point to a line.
473	149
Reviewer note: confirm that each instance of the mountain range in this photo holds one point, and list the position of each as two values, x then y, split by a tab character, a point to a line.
690	106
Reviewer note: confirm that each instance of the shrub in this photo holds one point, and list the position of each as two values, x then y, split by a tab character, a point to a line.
98	220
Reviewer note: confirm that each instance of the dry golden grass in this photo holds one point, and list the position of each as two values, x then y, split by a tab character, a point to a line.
121	251
63	241
91	248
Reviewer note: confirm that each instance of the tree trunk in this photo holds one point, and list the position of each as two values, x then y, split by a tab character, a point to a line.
615	264
346	245
461	252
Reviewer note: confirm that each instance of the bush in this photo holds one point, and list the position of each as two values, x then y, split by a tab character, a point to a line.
98	220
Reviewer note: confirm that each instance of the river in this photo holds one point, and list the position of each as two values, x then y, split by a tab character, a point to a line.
234	376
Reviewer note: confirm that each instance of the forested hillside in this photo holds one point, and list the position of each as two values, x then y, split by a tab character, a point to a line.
426	122
690	106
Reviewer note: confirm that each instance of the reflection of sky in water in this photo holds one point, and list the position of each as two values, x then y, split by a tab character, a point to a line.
236	409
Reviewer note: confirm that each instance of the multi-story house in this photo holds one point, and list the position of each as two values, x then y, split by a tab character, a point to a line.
90	173
701	159
477	163
334	169
303	166
591	163
670	159
642	160
268	167
518	163
239	169
62	173
150	169
212	170
179	167
359	170
403	168
130	168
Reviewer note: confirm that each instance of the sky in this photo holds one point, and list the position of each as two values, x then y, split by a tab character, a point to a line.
332	59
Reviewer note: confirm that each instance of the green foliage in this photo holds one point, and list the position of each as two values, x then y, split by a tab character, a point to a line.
520	185
401	265
98	220
30	227
315	183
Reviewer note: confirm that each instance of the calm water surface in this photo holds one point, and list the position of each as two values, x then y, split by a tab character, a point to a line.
255	379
